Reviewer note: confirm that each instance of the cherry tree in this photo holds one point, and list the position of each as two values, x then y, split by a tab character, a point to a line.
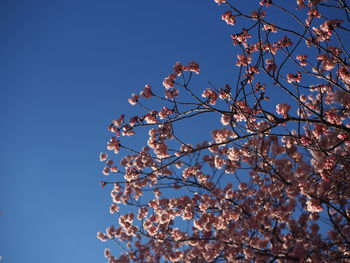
271	183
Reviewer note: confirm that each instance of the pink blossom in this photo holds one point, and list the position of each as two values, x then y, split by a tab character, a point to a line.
283	109
177	255
157	193
222	135
251	71
102	236
133	121
243	186
333	117
103	157
258	15
169	81
142	213
113	145
220	1
219	162
171	93
291	77
113	208
225	93
191	171
165	112
119	122
161	150
177	68
312	13
134	99
110	231
241	38
302	59
314	206
114	169
178	165
228	18
151	117
193	67
270	65
319	130
147	92
324	32
267	3
301	4
106	171
344	74
211	94
152	230
233	154
126	132
328	63
243	60
107	253
225	119
284	42
330	25
305	141
270	28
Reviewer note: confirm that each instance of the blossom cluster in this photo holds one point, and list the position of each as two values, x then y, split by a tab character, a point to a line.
269	182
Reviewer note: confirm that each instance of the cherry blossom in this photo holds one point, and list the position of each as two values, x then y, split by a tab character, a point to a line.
268	181
219	1
193	67
283	109
229	18
134	99
168	82
302	59
147	92
211	94
294	77
270	28
103	157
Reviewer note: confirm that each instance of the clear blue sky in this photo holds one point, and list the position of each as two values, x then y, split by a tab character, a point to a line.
67	69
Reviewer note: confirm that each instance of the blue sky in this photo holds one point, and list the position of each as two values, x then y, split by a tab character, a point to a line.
67	69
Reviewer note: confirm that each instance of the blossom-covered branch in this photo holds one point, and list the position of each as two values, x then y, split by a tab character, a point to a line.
268	180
